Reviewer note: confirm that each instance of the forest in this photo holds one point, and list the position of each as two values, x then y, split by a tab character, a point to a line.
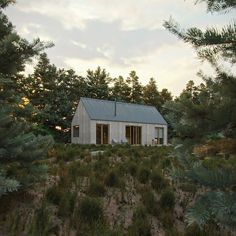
51	187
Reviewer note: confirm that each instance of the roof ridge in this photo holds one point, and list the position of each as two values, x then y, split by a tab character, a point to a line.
128	103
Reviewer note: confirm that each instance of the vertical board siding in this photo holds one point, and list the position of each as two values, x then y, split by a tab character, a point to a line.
87	128
117	131
82	119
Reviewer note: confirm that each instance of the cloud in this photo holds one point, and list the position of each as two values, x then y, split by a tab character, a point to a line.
169	72
119	36
133	14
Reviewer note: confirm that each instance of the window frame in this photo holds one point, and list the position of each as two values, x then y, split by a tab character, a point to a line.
76	131
157	137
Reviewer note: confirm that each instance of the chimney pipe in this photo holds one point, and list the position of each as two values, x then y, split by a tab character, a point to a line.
115	106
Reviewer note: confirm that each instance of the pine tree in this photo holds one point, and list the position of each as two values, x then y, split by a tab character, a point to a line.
120	90
54	94
136	94
151	95
165	96
205	113
20	150
98	83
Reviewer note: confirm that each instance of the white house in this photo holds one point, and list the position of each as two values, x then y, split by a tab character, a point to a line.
105	122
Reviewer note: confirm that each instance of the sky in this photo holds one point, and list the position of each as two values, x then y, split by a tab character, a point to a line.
119	36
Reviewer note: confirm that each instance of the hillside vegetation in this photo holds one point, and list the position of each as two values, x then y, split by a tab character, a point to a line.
50	187
105	190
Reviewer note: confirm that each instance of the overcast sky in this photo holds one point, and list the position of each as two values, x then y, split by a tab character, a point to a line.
119	36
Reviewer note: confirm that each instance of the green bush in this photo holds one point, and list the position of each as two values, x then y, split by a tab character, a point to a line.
63	198
150	202
167	219
101	165
67	204
42	223
84	170
67	152
140	225
96	189
112	179
73	170
132	168
98	229
166	162
167	199
188	187
157	181
143	175
209	230
90	210
54	194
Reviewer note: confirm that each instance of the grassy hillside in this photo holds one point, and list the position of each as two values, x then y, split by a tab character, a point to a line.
104	190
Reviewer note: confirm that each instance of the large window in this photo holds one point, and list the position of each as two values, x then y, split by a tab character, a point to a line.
159	135
76	131
133	134
102	134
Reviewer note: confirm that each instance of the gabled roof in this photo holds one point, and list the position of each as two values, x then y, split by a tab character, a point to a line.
126	112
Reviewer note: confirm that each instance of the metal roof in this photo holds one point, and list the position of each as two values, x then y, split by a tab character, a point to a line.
126	112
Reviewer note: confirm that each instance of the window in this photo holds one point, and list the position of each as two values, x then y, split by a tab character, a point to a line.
102	134
133	134
76	131
159	135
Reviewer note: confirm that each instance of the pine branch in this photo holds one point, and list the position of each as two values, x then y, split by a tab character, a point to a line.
216	178
209	44
7	185
219	5
217	206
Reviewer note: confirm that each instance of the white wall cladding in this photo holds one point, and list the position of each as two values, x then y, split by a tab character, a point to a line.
116	129
82	119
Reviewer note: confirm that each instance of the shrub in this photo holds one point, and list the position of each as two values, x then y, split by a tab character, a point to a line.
90	210
101	165
167	199
96	189
54	194
83	170
143	175
188	187
150	202
165	162
140	213
112	179
140	225
210	229
43	223
157	181
132	168
67	204
167	219
73	170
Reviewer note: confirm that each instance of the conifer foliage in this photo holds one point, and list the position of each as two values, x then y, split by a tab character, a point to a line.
20	150
206	113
